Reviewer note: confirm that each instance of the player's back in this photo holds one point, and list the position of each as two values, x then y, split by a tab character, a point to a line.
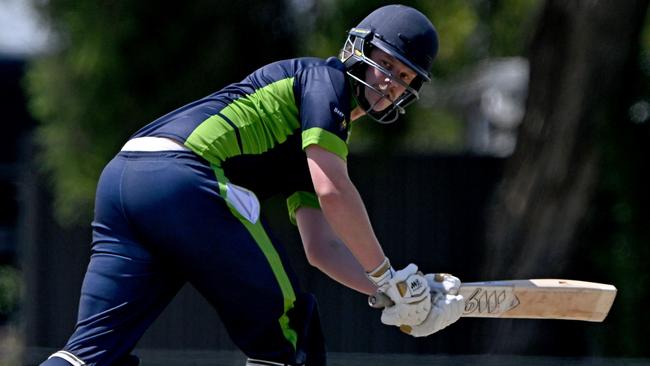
252	127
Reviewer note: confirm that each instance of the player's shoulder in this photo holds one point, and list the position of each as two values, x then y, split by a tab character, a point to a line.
316	73
302	69
297	65
331	65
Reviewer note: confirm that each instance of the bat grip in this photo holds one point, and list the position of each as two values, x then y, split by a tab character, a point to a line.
379	300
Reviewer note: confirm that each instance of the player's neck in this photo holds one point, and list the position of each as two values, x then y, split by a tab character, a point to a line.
357	113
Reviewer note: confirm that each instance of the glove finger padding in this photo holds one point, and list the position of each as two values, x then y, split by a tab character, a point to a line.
443	283
410	292
446	310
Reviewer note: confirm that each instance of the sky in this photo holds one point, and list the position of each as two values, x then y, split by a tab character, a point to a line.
21	35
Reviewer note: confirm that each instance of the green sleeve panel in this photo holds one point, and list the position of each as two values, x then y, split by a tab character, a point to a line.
300	199
251	124
265	117
214	139
326	140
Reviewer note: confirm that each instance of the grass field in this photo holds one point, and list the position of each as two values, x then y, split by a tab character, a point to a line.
13	354
234	358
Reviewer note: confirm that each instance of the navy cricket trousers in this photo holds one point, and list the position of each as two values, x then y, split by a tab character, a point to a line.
160	222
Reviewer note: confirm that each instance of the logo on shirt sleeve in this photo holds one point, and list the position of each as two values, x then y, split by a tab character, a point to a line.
344	123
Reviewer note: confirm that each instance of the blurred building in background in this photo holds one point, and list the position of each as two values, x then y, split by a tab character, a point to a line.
490	99
22	35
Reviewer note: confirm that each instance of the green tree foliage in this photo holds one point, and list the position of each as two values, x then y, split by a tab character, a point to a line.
120	64
10	291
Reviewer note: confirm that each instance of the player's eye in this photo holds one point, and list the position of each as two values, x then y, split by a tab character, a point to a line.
406	77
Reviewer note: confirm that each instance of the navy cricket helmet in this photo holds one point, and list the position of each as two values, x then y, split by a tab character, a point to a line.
401	32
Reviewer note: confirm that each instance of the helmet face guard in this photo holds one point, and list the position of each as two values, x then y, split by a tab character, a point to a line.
401	32
354	57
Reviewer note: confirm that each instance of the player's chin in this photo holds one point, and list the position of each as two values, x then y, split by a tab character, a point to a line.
379	103
382	105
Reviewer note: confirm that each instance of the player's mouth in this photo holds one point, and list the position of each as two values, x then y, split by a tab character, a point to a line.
383	86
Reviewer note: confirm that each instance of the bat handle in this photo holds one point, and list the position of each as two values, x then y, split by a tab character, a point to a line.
379	300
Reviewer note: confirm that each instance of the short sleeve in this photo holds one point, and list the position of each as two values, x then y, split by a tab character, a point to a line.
300	199
325	107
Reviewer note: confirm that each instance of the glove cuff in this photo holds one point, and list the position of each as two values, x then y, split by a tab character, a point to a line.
382	274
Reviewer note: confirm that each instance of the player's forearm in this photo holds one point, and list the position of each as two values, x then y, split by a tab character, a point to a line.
338	263
342	206
347	215
325	251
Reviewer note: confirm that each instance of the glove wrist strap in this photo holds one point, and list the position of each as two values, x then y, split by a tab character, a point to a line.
382	274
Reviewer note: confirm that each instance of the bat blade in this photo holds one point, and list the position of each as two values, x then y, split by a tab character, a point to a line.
538	299
531	299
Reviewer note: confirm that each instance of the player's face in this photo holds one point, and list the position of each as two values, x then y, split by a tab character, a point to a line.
391	86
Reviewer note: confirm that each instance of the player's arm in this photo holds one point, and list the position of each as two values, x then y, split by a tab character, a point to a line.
325	251
345	212
342	206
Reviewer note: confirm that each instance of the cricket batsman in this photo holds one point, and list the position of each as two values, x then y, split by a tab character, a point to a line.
180	203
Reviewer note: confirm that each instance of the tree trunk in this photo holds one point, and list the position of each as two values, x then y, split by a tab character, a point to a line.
577	55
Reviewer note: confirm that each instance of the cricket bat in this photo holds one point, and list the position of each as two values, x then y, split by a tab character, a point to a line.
531	299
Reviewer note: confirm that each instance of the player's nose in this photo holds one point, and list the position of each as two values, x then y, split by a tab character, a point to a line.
396	89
